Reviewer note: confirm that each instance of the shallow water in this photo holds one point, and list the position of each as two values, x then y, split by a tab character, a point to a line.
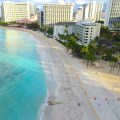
22	77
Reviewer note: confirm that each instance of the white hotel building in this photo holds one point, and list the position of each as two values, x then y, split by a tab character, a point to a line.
112	14
59	28
12	11
87	31
57	12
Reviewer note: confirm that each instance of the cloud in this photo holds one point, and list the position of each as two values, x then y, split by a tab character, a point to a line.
80	2
42	1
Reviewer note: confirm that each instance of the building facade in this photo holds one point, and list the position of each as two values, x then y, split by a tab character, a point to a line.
60	27
112	14
58	12
92	11
87	31
12	11
40	17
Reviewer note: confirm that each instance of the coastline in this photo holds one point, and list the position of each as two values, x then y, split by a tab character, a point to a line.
64	87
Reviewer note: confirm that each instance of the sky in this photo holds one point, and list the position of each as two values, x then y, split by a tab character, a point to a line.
39	3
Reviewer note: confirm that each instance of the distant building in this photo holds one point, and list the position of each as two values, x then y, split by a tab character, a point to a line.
40	17
13	11
32	8
92	11
0	18
57	12
79	14
59	28
112	14
74	15
103	16
87	31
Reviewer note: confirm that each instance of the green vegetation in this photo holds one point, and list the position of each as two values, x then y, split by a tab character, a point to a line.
34	26
2	23
100	21
49	30
94	51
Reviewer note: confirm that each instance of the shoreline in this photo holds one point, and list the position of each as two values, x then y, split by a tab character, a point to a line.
44	103
65	88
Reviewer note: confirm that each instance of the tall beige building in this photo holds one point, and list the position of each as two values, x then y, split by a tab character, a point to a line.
57	12
92	11
12	11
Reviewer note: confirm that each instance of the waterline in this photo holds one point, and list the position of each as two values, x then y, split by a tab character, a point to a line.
22	77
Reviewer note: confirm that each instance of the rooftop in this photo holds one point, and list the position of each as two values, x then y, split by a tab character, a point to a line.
87	23
64	23
51	4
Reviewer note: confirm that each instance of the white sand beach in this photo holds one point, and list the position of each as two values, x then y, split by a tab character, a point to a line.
74	87
65	87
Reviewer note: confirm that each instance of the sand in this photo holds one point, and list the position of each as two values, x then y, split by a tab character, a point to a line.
74	86
67	88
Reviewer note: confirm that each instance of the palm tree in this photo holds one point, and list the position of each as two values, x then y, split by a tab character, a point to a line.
85	49
66	31
66	25
118	64
77	35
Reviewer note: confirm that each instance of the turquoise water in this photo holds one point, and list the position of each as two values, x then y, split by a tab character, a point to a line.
22	78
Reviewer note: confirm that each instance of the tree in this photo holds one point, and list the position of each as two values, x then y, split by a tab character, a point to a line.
116	25
66	25
113	60
118	63
43	28
99	51
85	50
49	30
77	35
100	21
96	39
34	26
92	51
66	31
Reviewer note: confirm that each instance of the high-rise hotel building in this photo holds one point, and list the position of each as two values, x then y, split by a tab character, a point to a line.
57	12
92	11
112	14
12	11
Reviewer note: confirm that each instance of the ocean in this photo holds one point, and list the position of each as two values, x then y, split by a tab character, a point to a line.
22	77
